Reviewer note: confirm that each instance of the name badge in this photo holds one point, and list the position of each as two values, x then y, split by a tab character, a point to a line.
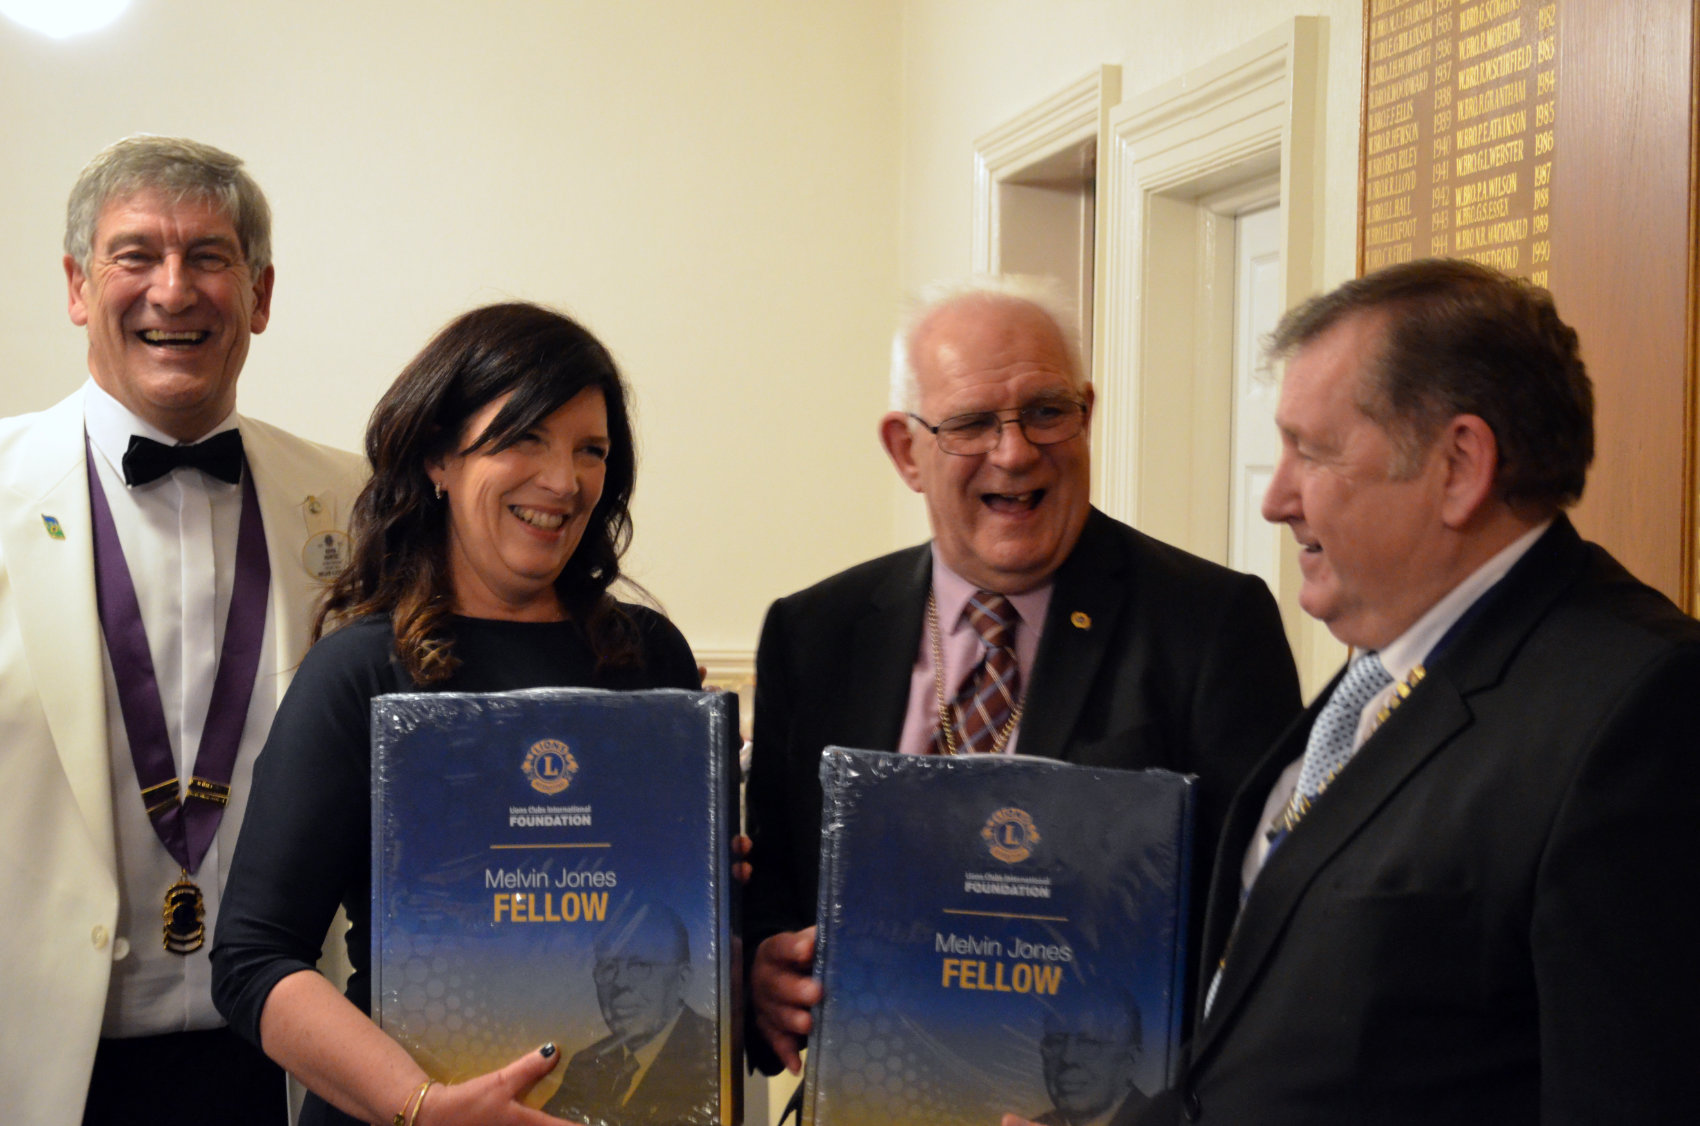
328	549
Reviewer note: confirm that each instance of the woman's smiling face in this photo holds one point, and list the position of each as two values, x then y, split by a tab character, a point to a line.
516	515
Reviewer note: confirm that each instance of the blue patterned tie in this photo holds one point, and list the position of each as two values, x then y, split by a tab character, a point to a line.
1330	745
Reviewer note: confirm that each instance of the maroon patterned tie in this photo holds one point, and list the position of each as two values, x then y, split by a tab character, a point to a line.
983	707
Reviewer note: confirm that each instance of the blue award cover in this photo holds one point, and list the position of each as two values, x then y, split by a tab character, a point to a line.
554	864
997	934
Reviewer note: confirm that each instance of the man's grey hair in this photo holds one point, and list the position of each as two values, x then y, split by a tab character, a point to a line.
1045	294
179	169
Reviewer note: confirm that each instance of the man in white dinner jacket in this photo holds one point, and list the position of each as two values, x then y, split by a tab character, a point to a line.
104	978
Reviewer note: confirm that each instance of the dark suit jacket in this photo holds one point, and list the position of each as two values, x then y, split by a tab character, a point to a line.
679	1086
1184	666
1489	916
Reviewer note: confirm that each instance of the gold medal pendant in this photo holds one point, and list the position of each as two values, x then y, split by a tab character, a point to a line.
185	917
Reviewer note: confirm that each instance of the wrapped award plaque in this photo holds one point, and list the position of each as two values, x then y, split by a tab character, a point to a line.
997	934
554	865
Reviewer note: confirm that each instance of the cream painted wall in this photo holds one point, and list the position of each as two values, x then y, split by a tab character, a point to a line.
733	194
711	187
971	65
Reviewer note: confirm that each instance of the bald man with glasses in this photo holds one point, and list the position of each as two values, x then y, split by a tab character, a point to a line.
1032	623
657	1062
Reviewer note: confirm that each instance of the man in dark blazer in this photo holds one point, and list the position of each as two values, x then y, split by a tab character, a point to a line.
1131	653
1485	916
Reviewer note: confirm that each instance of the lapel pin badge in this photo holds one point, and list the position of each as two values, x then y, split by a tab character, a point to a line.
1080	619
51	523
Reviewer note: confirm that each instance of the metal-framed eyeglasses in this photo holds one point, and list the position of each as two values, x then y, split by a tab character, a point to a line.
1044	423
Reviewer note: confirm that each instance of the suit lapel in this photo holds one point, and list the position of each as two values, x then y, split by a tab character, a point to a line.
1436	711
1428	720
281	511
883	641
1092	589
58	621
286	482
1245	812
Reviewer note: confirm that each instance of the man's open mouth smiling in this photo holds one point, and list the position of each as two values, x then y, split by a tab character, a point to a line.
169	338
1013	503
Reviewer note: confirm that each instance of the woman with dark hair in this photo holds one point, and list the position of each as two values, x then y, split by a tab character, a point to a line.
484	547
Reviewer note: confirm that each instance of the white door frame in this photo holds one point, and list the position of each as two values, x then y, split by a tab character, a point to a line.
1162	361
1076	113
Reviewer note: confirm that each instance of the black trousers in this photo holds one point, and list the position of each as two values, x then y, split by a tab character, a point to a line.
211	1078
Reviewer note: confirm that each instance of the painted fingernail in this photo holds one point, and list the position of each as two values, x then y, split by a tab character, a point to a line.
547	1051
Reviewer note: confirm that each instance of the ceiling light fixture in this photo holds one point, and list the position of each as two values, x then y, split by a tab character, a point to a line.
61	19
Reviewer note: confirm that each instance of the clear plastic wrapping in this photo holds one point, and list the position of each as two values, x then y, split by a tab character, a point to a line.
997	934
554	865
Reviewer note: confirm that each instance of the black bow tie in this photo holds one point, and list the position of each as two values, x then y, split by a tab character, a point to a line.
147	460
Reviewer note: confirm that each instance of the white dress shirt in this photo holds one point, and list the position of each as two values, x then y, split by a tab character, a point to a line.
179	540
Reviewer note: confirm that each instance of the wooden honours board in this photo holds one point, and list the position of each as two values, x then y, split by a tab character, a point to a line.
1555	140
1459	106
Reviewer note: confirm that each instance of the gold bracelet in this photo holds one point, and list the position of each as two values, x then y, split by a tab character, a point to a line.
418	1106
409	1109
